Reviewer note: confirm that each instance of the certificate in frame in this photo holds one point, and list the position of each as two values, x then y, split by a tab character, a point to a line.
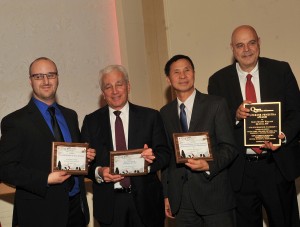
195	145
69	157
263	124
128	163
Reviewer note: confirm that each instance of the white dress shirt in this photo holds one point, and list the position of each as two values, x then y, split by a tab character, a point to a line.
189	103
125	120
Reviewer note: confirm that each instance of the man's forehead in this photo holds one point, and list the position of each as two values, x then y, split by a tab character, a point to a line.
244	35
43	62
180	64
113	80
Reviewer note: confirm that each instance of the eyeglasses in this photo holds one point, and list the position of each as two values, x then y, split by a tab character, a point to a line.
40	76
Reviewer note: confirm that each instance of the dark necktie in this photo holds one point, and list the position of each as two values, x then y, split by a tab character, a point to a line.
59	138
183	119
251	96
121	143
55	126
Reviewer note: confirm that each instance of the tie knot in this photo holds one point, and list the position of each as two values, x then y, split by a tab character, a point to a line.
117	113
182	106
51	110
249	76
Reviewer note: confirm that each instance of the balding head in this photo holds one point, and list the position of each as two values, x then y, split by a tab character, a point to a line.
245	46
242	29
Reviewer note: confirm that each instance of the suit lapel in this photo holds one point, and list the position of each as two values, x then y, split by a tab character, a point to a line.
235	86
104	127
38	120
265	79
173	115
197	109
134	124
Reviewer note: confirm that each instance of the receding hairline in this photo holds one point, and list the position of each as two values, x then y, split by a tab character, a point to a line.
41	59
243	27
110	68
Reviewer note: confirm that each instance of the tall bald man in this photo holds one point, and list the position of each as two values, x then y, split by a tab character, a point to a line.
266	178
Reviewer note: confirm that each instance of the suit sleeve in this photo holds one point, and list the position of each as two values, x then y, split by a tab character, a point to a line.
225	150
290	123
159	144
213	87
217	87
86	138
13	171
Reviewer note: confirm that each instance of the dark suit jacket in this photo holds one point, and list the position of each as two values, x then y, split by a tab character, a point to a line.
212	193
145	127
277	83
25	160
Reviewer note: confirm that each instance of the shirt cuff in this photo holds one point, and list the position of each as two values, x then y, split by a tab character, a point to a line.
98	178
284	141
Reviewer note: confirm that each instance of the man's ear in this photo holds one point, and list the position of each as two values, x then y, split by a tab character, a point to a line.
168	80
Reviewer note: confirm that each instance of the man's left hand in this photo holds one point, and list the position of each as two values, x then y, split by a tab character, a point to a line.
197	164
90	154
148	154
269	145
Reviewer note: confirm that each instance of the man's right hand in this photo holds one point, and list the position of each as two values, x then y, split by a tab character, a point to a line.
242	112
168	211
104	173
58	177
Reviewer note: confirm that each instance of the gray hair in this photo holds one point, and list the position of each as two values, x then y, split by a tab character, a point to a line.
109	69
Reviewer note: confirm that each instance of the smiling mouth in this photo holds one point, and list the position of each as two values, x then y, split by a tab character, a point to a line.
116	98
247	55
183	83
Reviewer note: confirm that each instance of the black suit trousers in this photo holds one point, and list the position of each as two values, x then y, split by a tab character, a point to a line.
263	184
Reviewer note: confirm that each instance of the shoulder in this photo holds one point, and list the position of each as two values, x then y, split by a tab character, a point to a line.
68	113
67	110
212	99
168	106
142	109
17	114
97	113
228	70
268	62
270	66
263	60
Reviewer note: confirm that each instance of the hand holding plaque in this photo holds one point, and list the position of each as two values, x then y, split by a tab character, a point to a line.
263	124
128	163
194	145
70	157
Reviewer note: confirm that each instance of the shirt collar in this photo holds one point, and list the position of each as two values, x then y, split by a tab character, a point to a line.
243	73
124	110
43	107
189	102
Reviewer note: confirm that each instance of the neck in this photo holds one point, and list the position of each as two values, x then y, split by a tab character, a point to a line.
182	96
49	102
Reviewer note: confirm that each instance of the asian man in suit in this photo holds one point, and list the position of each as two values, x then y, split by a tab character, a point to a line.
263	177
139	203
42	198
198	193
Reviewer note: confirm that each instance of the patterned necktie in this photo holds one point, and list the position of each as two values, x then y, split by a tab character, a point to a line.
183	119
251	96
121	143
59	138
